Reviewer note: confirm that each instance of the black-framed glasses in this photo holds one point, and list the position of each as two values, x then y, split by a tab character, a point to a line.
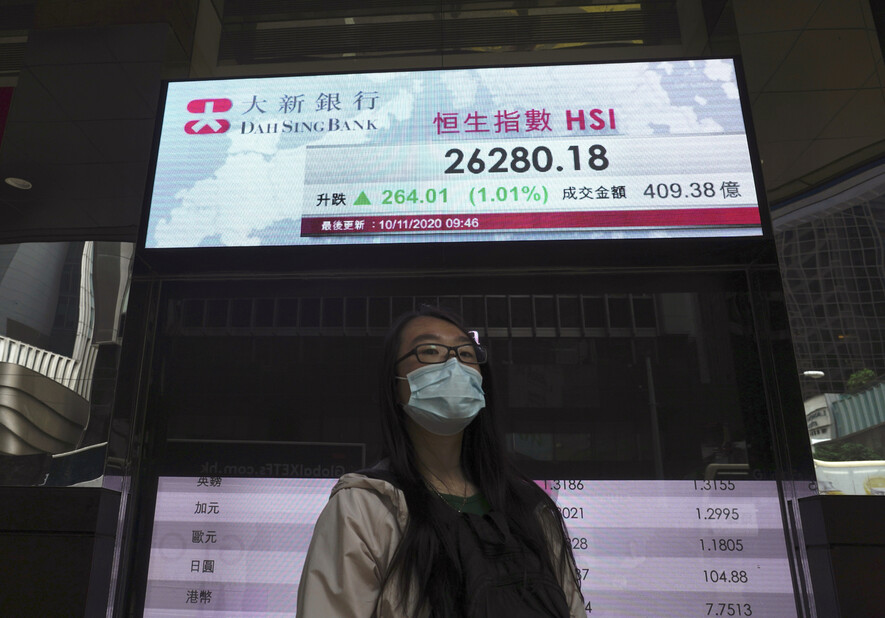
435	353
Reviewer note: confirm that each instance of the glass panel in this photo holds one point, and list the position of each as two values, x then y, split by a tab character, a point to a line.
613	405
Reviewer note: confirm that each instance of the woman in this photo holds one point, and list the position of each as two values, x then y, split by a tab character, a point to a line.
444	525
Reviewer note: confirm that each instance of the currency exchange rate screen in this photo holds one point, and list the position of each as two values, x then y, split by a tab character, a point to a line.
236	546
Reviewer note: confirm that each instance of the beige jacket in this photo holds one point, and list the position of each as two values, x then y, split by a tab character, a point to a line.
353	543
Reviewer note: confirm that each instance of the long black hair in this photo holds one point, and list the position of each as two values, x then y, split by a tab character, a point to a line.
421	568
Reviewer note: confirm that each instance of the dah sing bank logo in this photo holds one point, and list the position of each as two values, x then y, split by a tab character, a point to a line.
207	124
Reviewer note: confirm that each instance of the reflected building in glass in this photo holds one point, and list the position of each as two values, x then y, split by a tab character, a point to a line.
60	308
831	247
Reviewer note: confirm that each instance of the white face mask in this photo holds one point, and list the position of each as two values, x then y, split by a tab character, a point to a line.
445	397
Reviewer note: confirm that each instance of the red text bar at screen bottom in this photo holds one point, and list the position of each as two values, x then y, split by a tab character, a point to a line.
467	222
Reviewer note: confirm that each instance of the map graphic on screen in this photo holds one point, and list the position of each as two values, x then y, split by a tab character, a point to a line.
626	150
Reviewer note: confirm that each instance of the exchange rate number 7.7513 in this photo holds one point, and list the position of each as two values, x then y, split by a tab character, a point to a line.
729	609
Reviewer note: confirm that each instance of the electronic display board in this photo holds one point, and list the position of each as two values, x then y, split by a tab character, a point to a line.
565	152
225	546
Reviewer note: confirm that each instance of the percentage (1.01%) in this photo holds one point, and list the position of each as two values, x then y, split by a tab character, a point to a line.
524	193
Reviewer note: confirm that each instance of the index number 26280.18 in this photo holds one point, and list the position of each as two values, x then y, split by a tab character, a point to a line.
498	160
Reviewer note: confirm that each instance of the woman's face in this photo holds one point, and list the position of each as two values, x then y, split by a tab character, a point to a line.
424	329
